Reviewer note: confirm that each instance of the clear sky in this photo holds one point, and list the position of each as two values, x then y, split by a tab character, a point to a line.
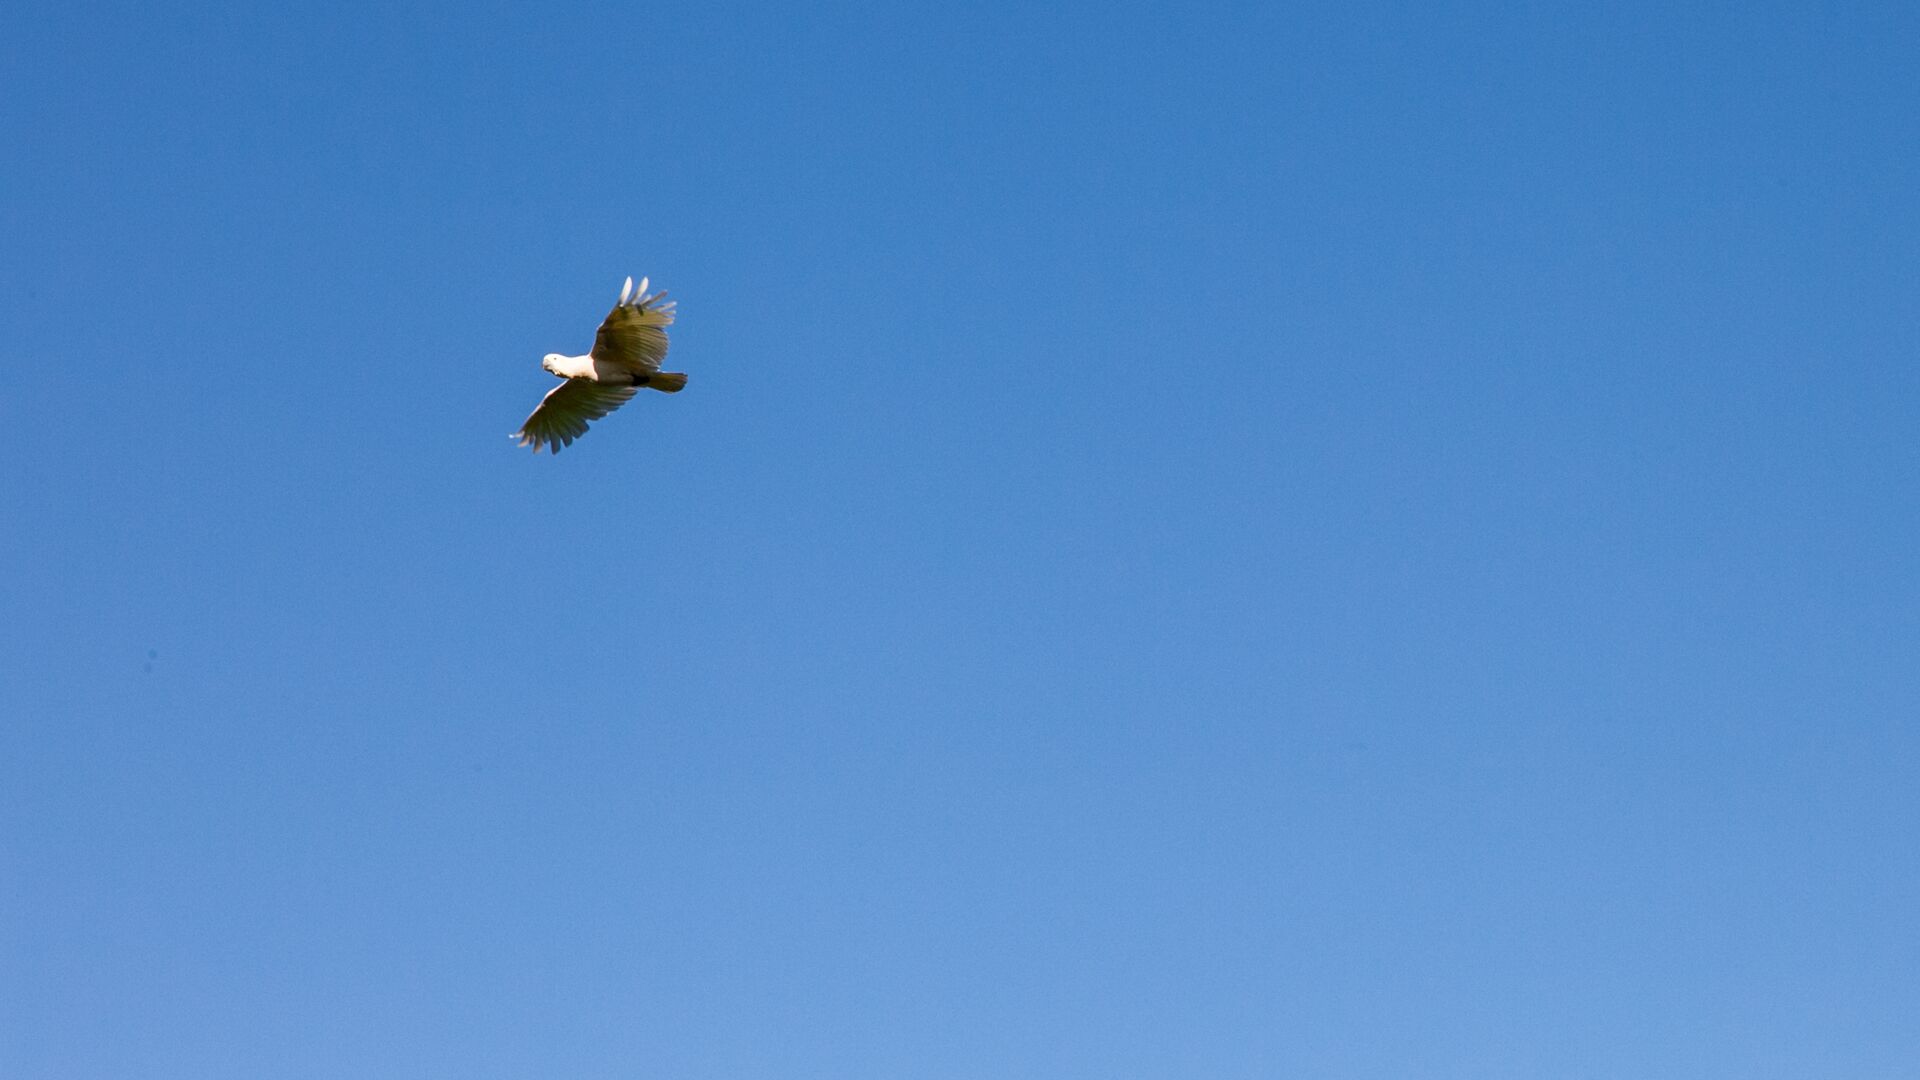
1259	540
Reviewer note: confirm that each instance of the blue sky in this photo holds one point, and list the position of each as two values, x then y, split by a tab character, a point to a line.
1348	540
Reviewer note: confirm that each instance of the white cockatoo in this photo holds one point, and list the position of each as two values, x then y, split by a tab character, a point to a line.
627	354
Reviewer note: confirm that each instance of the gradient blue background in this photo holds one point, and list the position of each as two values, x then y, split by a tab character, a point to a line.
1338	540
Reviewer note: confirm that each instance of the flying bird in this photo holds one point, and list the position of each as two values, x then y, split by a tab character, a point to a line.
627	354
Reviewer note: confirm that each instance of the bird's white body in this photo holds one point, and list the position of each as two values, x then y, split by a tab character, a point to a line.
585	367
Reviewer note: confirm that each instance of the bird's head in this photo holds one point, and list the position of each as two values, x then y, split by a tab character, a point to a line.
551	362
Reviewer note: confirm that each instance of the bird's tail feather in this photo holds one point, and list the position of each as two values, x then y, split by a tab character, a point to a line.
669	382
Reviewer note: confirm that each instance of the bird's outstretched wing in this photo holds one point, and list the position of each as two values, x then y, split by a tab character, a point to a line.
634	333
563	414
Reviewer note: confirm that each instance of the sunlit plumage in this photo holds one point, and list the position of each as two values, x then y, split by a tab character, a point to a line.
627	354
